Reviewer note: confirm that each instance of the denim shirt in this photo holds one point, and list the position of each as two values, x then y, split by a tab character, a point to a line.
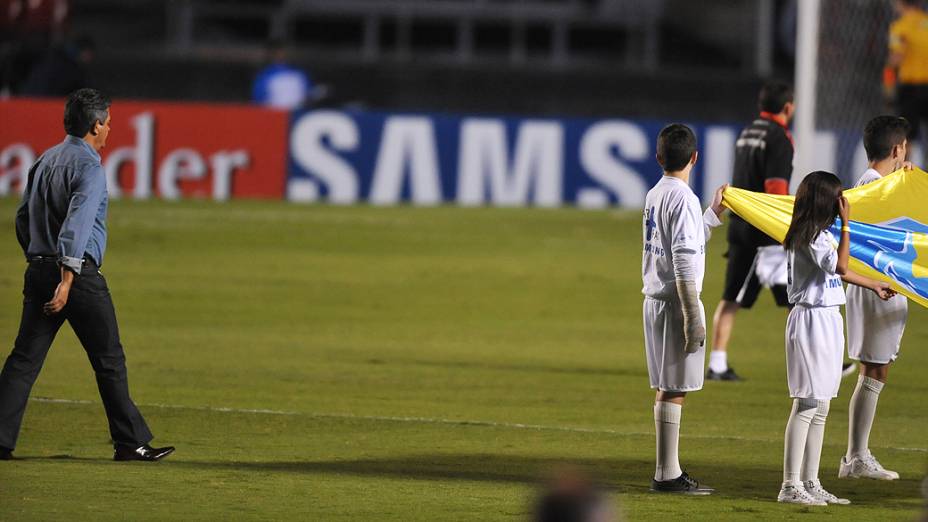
63	211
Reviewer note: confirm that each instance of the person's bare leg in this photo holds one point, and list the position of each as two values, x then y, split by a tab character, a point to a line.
722	324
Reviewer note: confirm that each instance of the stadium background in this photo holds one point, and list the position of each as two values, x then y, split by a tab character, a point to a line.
416	363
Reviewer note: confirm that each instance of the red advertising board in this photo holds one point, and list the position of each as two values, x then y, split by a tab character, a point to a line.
168	150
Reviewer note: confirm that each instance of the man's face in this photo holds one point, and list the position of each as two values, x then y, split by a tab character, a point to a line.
103	131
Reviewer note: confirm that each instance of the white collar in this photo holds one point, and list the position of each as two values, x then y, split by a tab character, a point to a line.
674	178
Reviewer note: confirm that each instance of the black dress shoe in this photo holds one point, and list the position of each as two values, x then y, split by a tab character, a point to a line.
143	452
6	454
727	375
684	485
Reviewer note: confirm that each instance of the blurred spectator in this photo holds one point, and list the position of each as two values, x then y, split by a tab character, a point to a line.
63	71
27	28
908	60
571	497
281	85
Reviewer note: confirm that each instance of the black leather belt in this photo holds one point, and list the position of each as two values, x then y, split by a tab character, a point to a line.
42	259
52	259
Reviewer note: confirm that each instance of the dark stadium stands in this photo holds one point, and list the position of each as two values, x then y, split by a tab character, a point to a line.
581	57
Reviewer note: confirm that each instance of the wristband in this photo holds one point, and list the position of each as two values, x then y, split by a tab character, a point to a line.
846	228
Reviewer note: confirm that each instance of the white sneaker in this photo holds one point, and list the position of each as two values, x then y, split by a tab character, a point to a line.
796	494
865	466
814	488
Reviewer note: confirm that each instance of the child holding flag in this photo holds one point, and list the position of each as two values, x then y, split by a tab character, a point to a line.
815	330
874	327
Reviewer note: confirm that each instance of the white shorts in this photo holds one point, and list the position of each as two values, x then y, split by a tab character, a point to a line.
874	327
814	352
670	367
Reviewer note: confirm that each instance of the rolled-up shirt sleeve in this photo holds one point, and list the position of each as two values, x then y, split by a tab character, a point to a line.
88	189
710	220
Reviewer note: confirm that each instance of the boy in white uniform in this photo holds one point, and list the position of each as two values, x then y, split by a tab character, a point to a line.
672	266
874	327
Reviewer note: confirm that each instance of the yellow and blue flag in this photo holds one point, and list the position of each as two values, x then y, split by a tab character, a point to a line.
889	227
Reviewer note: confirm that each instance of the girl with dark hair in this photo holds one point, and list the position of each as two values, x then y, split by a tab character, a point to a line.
815	330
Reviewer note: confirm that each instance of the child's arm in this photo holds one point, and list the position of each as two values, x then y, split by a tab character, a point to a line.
880	288
710	219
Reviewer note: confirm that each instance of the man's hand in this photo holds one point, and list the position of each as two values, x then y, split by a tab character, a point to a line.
717	200
907	165
60	299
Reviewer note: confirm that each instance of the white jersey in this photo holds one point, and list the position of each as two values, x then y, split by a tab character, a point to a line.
874	326
812	278
674	226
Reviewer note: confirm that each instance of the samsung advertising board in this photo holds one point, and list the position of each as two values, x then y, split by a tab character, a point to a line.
233	151
428	159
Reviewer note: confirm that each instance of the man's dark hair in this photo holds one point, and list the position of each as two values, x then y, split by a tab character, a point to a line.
774	96
882	134
675	146
913	3
84	108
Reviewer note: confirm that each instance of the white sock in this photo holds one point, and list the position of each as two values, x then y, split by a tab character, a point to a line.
667	426
814	440
861	412
718	361
797	432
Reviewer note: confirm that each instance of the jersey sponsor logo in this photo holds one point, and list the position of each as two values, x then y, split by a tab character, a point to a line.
650	225
653	249
897	248
833	282
649	222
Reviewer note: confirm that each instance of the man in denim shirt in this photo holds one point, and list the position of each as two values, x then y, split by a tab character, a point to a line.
61	226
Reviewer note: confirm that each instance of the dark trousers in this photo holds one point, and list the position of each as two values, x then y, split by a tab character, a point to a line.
91	314
912	100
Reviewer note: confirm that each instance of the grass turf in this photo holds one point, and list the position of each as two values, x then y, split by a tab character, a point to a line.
421	364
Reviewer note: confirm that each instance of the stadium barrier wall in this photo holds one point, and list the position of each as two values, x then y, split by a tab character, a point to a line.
222	151
168	150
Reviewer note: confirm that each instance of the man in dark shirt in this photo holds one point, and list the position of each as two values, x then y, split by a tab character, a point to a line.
61	226
763	163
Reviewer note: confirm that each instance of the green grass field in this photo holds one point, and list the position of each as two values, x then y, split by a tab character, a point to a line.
325	363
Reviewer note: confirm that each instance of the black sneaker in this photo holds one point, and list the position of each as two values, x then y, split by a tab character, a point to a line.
683	484
727	375
6	454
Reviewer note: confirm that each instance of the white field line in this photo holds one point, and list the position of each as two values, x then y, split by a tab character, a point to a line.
434	420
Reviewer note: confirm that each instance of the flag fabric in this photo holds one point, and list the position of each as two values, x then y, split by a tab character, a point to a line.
888	222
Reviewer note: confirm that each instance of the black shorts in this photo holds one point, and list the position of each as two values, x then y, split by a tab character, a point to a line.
741	283
912	100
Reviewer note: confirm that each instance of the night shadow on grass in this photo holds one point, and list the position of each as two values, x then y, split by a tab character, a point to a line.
514	367
619	475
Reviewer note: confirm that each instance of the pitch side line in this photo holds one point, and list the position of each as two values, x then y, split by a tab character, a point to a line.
432	420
